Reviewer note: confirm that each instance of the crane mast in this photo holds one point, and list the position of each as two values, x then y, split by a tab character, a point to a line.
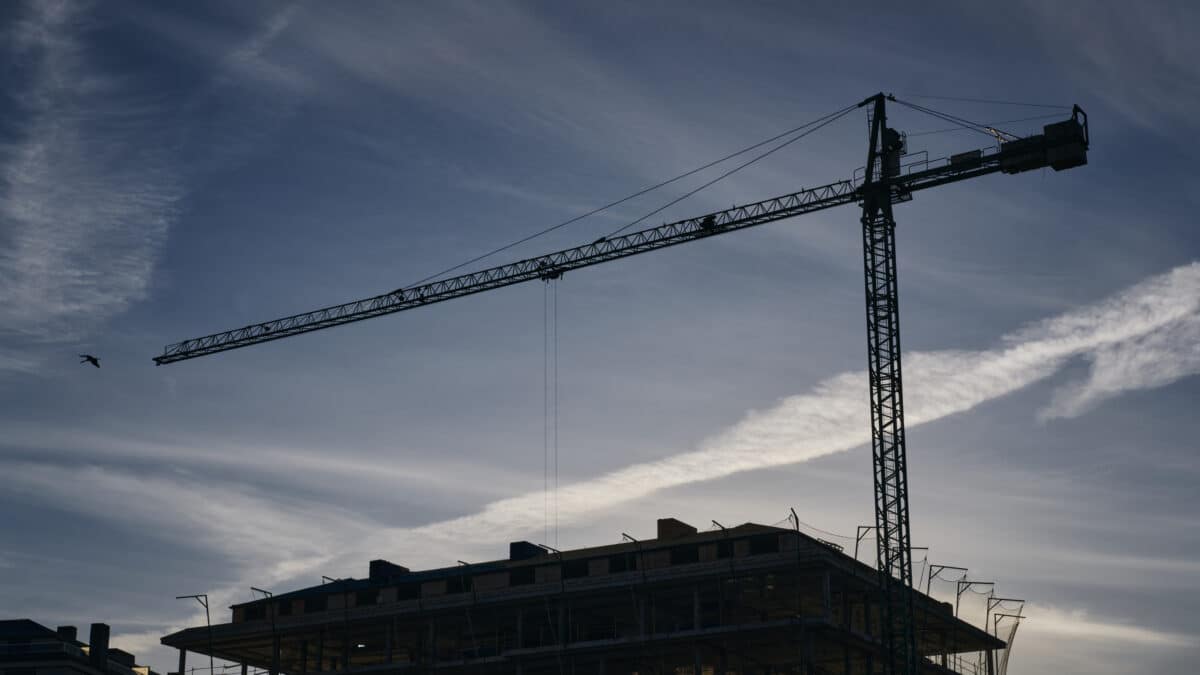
893	552
885	181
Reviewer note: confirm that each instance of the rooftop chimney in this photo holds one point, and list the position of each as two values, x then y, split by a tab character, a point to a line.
382	570
98	647
523	550
669	528
68	633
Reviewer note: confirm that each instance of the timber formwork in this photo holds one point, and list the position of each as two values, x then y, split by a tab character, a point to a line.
748	600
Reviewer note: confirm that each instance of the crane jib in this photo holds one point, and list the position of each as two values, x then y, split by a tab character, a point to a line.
1064	145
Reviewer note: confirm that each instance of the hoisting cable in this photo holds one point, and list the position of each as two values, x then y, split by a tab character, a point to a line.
832	117
550	410
639	193
554	396
545	413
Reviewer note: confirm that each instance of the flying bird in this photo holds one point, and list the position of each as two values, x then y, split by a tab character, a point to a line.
88	358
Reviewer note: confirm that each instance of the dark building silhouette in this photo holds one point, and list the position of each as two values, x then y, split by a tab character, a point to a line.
747	600
29	648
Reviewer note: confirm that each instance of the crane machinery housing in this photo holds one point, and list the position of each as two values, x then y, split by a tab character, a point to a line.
886	180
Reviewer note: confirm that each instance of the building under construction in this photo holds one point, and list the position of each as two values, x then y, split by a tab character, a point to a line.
747	600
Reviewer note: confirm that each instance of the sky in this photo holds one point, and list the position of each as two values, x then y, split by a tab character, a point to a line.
172	169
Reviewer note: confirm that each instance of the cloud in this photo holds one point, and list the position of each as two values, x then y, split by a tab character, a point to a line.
87	195
831	418
1079	625
273	540
1153	360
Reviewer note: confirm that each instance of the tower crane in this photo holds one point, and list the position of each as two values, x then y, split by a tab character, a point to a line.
886	181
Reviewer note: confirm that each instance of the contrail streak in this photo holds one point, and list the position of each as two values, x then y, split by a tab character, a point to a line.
1162	312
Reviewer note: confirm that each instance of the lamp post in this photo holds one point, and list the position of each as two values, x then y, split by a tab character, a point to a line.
202	598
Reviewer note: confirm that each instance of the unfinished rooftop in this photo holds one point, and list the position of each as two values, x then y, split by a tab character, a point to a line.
747	599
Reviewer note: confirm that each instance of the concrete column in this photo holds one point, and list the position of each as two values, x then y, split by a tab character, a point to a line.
826	597
846	609
245	669
387	641
520	628
808	668
562	622
345	649
432	642
182	661
696	609
275	655
320	650
303	658
698	661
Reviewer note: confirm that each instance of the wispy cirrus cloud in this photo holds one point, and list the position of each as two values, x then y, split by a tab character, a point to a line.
87	192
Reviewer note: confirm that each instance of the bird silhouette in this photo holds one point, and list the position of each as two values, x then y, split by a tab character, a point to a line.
88	358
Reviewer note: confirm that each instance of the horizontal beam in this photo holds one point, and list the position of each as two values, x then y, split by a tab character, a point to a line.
549	266
914	177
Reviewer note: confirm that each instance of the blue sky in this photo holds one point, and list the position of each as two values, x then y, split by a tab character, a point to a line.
173	169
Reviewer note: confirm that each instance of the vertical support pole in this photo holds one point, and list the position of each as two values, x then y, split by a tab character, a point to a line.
346	647
697	660
275	655
245	669
696	609
387	640
182	661
303	657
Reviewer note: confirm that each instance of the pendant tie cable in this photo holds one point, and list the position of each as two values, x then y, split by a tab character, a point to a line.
985	129
990	124
817	123
831	117
990	101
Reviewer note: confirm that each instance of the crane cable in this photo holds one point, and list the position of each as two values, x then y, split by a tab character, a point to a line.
953	119
820	120
832	117
991	101
914	134
550	410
